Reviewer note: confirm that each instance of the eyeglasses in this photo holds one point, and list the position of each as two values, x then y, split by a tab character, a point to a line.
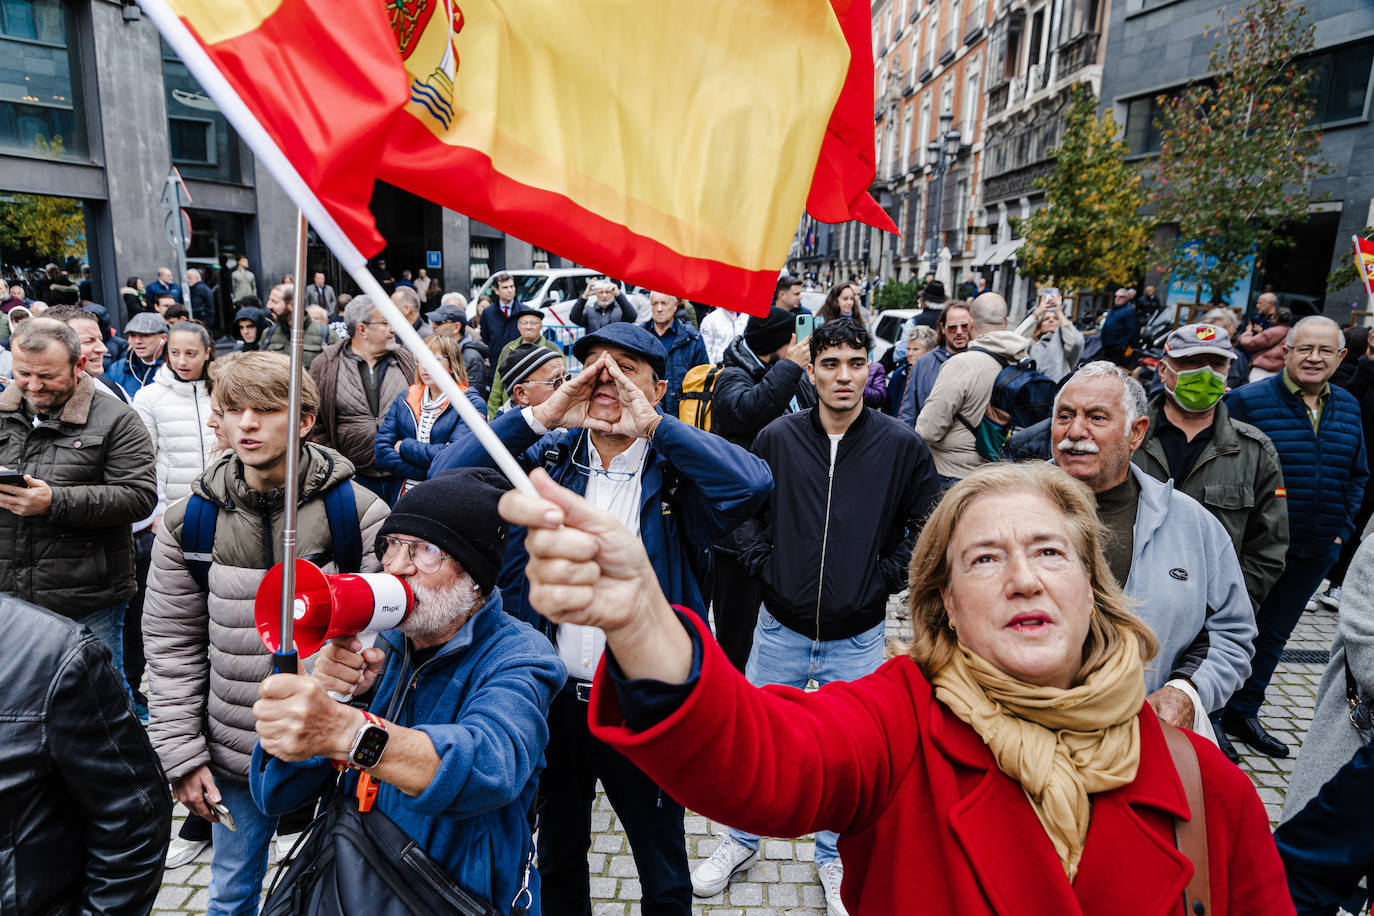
1306	350
553	382
425	556
613	476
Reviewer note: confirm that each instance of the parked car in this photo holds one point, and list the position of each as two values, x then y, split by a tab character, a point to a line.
887	329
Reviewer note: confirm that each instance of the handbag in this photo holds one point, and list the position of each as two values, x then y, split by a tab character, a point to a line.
1361	707
349	862
1191	835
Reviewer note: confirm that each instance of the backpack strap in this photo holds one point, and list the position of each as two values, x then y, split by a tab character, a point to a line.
341	506
198	538
1191	835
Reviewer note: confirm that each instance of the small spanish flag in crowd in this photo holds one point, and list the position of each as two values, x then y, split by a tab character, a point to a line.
671	143
1364	262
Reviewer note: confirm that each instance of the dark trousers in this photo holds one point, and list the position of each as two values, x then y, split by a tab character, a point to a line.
1329	846
1352	543
567	789
1277	616
735	600
134	660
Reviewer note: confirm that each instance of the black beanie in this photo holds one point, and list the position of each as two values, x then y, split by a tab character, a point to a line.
456	512
767	333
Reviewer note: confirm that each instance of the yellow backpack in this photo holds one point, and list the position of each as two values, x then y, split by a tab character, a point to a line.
694	404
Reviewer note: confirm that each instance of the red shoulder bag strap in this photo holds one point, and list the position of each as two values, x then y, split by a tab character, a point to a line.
1191	835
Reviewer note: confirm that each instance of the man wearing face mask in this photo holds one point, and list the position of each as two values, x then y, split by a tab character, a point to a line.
1230	467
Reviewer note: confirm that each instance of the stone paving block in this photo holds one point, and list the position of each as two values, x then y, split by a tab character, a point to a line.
630	889
746	893
777	849
609	909
793	873
806	852
784	895
813	896
763	872
600	821
171	896
603	888
622	867
596	863
607	842
695	823
199	902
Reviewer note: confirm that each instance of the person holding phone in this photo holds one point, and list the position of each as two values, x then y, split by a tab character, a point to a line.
1058	345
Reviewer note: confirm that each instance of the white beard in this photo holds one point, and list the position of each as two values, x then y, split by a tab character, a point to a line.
440	612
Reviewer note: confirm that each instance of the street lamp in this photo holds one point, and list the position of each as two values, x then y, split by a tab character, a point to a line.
943	151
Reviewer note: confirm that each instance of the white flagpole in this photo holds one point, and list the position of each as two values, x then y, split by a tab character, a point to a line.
271	156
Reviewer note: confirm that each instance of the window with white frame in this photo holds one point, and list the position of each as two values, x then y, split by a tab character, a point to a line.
923	132
906	140
972	74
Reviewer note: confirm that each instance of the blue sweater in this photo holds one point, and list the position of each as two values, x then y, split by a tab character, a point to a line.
482	699
685	350
1324	472
413	459
696	486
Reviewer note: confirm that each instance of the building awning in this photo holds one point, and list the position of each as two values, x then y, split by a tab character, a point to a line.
1006	252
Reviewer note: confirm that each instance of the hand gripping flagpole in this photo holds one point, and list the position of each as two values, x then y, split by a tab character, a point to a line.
175	32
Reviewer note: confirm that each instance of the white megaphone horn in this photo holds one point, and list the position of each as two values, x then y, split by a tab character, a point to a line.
331	605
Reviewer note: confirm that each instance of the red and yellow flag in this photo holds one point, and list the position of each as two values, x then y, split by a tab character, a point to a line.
673	143
1364	262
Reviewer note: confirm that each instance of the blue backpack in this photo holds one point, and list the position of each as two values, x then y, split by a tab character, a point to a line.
1021	396
198	532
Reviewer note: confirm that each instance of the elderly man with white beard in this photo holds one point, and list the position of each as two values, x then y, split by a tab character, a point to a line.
456	699
1174	559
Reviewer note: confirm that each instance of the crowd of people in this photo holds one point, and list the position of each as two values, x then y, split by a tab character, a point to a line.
1103	559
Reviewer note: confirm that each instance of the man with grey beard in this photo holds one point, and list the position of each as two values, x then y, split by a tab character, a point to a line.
456	699
1174	560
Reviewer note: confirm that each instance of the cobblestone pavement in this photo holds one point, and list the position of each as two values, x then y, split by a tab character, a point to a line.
783	881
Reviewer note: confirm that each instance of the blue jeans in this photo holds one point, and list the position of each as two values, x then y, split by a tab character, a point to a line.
239	862
1278	614
782	656
108	624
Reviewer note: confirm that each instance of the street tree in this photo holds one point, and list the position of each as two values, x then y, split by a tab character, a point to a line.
48	228
1238	150
1089	233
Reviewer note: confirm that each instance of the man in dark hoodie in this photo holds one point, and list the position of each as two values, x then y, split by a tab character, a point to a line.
249	323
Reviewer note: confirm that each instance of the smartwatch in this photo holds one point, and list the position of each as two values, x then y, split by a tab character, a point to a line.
369	743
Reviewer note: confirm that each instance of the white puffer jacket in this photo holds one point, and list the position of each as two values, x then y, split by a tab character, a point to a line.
176	414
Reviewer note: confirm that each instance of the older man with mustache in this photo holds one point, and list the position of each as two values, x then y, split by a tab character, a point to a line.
1173	558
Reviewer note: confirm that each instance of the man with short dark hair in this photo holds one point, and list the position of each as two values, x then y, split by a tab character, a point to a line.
358	379
787	295
497	321
954	330
680	488
88	470
837	467
277	338
1317	431
242	281
321	293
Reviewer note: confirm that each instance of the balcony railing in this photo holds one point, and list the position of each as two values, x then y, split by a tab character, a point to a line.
1017	91
947	46
997	99
1078	53
975	22
1038	78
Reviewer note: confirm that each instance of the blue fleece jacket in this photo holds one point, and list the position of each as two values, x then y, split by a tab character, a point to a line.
482	699
411	461
1325	471
1186	583
695	487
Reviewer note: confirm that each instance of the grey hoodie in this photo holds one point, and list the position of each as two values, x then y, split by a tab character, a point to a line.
1185	581
964	388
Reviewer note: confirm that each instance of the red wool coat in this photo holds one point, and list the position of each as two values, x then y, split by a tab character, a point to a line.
928	824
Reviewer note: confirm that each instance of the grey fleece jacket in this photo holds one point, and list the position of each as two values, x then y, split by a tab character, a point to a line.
1186	583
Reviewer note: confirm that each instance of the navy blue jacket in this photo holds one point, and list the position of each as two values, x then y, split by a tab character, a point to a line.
685	350
497	330
132	373
1324	472
696	486
1119	329
482	699
413	460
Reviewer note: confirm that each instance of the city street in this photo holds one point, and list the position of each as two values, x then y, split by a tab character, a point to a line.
784	879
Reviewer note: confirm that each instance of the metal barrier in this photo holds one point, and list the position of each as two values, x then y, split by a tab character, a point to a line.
565	335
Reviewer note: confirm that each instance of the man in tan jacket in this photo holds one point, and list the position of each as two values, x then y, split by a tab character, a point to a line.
964	389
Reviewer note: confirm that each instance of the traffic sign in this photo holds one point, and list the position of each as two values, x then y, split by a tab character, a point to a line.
174	193
178	235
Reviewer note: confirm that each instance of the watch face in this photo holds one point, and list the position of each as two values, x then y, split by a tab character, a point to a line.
368	747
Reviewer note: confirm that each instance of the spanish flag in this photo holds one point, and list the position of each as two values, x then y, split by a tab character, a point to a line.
672	143
1364	262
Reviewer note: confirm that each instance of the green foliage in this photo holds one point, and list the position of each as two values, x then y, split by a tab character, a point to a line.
48	228
1347	274
1088	235
898	295
1237	151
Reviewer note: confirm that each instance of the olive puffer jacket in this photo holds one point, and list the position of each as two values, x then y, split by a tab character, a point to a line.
204	655
346	421
176	414
96	456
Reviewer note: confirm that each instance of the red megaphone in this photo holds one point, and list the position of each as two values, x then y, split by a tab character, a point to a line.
330	605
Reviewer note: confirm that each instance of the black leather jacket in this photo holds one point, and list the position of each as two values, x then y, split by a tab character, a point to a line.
85	814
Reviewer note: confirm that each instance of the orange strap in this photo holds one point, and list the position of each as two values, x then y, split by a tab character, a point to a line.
367	786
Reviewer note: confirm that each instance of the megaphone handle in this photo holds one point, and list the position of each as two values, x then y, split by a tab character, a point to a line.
285	662
368	638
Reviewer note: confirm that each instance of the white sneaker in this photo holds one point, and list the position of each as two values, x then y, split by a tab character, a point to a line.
832	874
180	851
714	874
1331	598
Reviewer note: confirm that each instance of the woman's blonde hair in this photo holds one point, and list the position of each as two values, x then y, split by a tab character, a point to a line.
934	643
451	349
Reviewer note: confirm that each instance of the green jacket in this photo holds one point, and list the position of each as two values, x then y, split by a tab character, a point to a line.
497	399
1239	480
314	338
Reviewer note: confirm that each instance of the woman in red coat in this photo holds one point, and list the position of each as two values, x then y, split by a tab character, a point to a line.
1008	764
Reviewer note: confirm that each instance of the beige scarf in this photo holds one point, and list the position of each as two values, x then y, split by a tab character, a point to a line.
1060	745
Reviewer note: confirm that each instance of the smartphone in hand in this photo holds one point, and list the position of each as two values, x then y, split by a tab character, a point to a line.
805	325
12	478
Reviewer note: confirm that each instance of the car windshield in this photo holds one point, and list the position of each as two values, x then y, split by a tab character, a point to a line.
527	286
